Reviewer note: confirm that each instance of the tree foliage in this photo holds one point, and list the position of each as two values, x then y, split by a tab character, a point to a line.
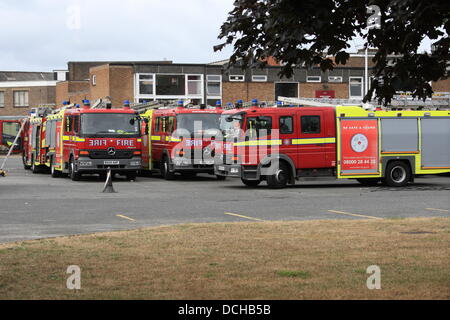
317	32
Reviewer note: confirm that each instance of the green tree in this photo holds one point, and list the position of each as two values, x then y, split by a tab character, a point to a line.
317	32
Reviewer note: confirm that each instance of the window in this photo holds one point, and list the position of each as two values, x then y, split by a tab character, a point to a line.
213	85
262	126
146	84
69	124
20	98
170	85
76	124
313	79
236	78
334	79
194	85
2	99
94	80
310	124
355	87
9	133
157	124
286	89
286	125
259	78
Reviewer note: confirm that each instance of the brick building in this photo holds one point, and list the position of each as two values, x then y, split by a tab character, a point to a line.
19	91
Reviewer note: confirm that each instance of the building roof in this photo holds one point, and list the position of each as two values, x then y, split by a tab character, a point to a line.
26	76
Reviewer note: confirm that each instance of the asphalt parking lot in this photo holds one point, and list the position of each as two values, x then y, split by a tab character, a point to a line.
37	206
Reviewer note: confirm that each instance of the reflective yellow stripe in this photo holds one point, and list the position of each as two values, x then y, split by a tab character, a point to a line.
314	141
156	138
139	140
258	143
66	138
173	139
80	139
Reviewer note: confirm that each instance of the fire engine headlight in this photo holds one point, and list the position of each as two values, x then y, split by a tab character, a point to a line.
135	163
234	170
85	163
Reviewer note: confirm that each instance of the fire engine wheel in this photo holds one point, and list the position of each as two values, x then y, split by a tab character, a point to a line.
165	171
131	176
73	174
34	167
25	165
251	183
54	173
398	174
281	177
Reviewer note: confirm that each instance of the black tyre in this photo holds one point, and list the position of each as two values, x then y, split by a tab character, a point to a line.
34	168
369	182
398	174
73	174
131	176
251	183
281	177
54	173
25	165
165	170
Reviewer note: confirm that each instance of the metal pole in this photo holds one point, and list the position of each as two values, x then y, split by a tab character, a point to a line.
366	73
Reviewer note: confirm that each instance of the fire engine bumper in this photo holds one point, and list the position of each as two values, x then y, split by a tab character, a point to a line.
182	165
87	165
228	170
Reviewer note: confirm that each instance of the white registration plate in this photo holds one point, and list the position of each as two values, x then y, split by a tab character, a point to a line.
111	162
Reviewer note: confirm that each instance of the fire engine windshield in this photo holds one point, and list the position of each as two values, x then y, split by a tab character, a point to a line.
109	125
231	124
193	122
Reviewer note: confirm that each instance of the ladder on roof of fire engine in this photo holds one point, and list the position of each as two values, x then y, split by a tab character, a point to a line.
141	107
397	102
2	171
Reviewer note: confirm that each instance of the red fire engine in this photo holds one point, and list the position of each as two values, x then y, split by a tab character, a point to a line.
180	140
284	144
76	140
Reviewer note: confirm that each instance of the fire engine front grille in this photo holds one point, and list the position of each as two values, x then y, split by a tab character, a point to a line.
103	154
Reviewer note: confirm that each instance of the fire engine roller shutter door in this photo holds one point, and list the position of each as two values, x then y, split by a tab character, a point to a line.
399	135
435	142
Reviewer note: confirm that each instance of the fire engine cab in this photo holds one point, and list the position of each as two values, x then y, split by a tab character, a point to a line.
76	140
179	139
9	128
283	144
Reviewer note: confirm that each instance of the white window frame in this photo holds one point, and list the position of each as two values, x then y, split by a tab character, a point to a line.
2	100
350	84
255	76
152	97
241	78
316	81
210	96
94	80
26	102
186	82
330	79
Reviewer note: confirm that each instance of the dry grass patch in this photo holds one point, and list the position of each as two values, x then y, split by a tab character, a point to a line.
257	260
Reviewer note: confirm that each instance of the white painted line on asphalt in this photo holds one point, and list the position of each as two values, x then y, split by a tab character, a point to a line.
125	217
434	209
354	214
241	216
